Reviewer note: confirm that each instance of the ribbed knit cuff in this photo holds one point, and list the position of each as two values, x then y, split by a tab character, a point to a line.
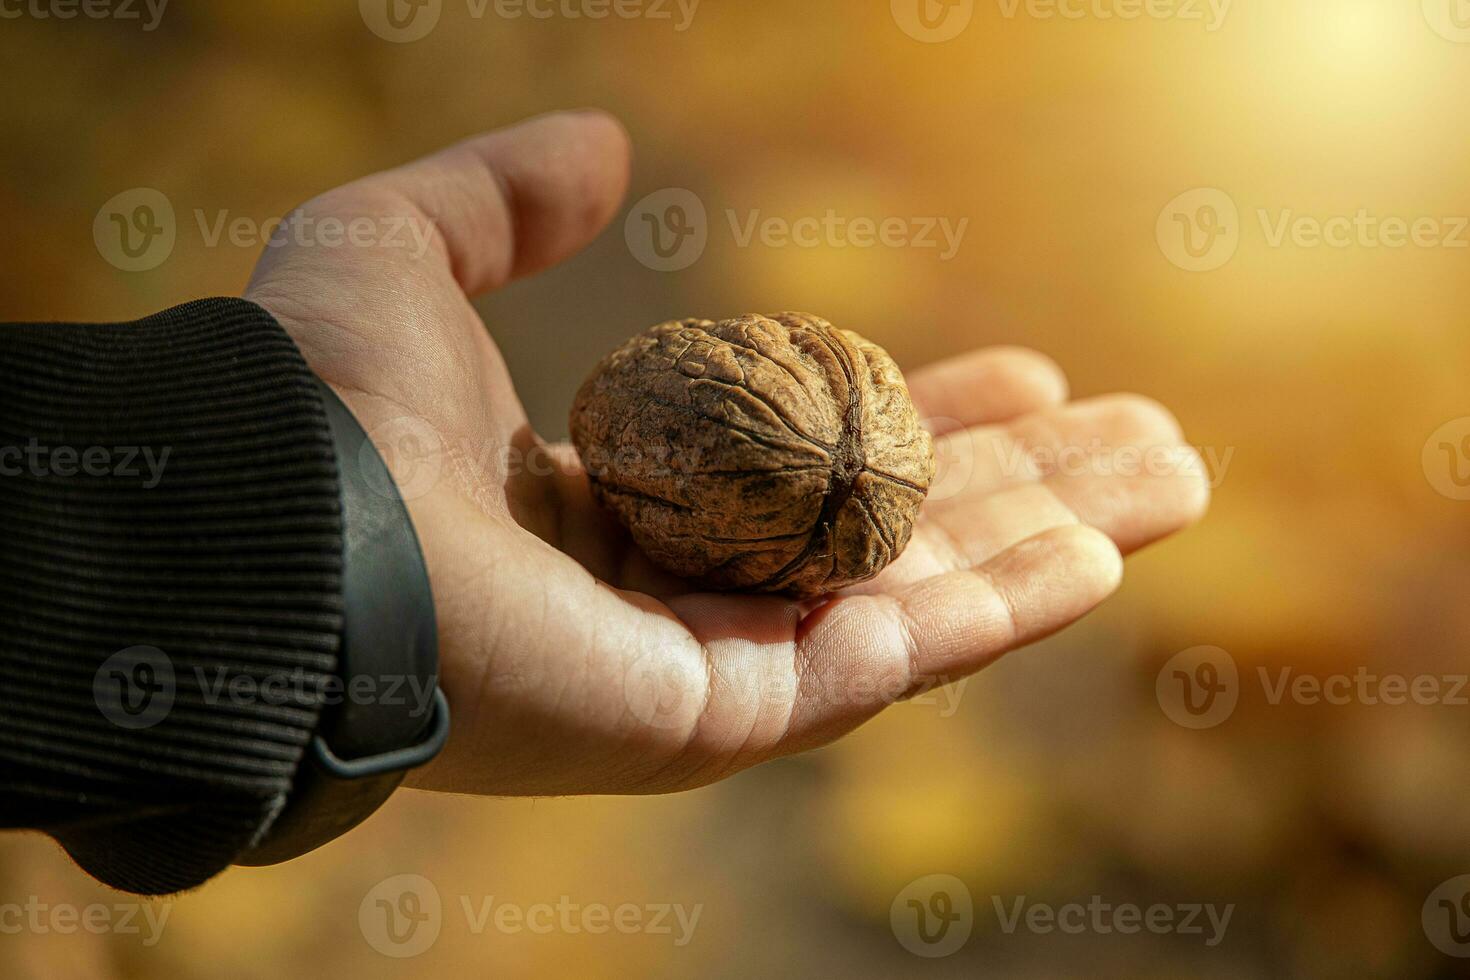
170	586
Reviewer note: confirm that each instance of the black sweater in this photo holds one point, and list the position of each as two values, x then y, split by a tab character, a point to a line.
172	597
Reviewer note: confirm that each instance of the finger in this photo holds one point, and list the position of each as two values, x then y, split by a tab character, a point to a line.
961	537
513	202
1133	499
859	653
507	203
988	458
1133	480
986	386
1138	503
394	320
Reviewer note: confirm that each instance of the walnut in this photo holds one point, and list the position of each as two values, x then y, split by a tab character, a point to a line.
766	454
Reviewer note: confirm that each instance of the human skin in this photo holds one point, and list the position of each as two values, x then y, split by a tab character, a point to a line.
571	664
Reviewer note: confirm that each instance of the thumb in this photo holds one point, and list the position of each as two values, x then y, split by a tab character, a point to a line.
515	201
393	332
500	205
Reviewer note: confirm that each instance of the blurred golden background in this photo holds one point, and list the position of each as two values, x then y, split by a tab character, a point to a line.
1315	376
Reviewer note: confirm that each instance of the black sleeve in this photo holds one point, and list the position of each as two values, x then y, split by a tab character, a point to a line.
177	579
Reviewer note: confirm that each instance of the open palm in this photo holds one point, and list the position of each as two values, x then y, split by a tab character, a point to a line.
571	664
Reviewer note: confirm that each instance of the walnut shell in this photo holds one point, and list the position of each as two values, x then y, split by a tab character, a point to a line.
766	454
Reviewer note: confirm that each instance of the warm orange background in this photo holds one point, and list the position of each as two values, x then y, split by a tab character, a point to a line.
1315	374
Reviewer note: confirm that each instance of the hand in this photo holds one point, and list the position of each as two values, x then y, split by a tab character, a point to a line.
571	665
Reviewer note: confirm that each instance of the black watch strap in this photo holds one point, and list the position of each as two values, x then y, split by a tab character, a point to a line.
388	714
